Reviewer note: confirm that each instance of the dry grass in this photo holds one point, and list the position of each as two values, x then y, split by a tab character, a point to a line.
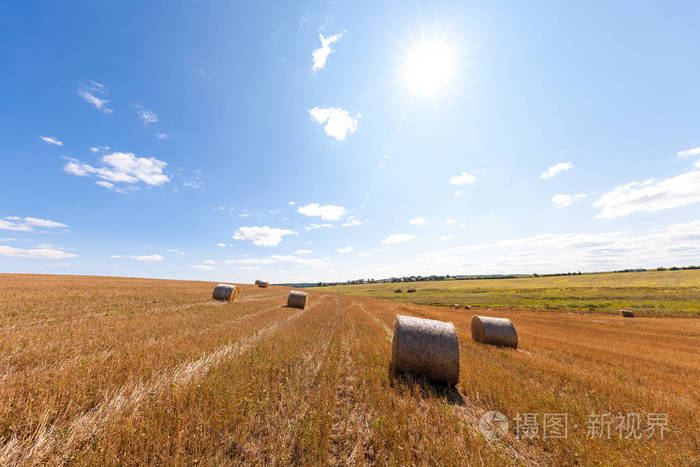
127	371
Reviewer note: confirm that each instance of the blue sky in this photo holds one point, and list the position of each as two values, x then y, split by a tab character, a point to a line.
306	141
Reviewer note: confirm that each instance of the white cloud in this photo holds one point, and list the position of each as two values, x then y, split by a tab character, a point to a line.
302	252
221	245
347	249
28	224
262	236
326	212
202	267
397	238
161	136
41	252
650	195
176	251
120	167
351	223
464	178
674	245
87	92
148	258
450	221
338	122
51	140
555	169
321	54
420	220
562	200
689	153
146	115
311	227
447	237
209	261
99	148
697	163
291	203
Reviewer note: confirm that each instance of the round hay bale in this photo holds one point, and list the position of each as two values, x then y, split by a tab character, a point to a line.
263	284
227	292
467	307
425	347
297	299
456	306
627	313
496	331
258	281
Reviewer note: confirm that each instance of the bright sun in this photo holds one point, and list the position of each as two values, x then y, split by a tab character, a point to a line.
428	67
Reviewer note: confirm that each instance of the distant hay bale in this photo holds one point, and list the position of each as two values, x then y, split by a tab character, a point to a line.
425	347
398	291
258	282
496	331
263	284
411	290
227	292
456	306
627	313
297	299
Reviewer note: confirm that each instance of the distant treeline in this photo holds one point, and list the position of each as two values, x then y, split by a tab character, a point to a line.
448	277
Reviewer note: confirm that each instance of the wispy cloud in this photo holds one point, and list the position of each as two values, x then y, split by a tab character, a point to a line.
320	55
562	200
650	195
202	267
292	259
89	94
144	258
352	222
302	252
221	245
146	115
28	224
689	153
311	227
674	245
347	249
120	167
326	212
51	140
338	122
464	178
420	220
99	148
41	252
555	169
262	235
397	238
161	136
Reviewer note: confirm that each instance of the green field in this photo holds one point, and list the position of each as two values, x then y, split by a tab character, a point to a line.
648	293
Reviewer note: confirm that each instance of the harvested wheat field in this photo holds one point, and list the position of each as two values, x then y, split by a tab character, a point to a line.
137	371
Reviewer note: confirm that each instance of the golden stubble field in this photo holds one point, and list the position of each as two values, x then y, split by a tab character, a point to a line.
127	371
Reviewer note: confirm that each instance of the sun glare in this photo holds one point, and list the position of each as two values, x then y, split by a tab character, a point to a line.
428	67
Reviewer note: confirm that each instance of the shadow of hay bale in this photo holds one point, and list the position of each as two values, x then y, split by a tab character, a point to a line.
421	387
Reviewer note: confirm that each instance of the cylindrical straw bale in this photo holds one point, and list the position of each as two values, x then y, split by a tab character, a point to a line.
227	292
297	299
263	284
426	347
258	281
456	306
496	331
627	313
